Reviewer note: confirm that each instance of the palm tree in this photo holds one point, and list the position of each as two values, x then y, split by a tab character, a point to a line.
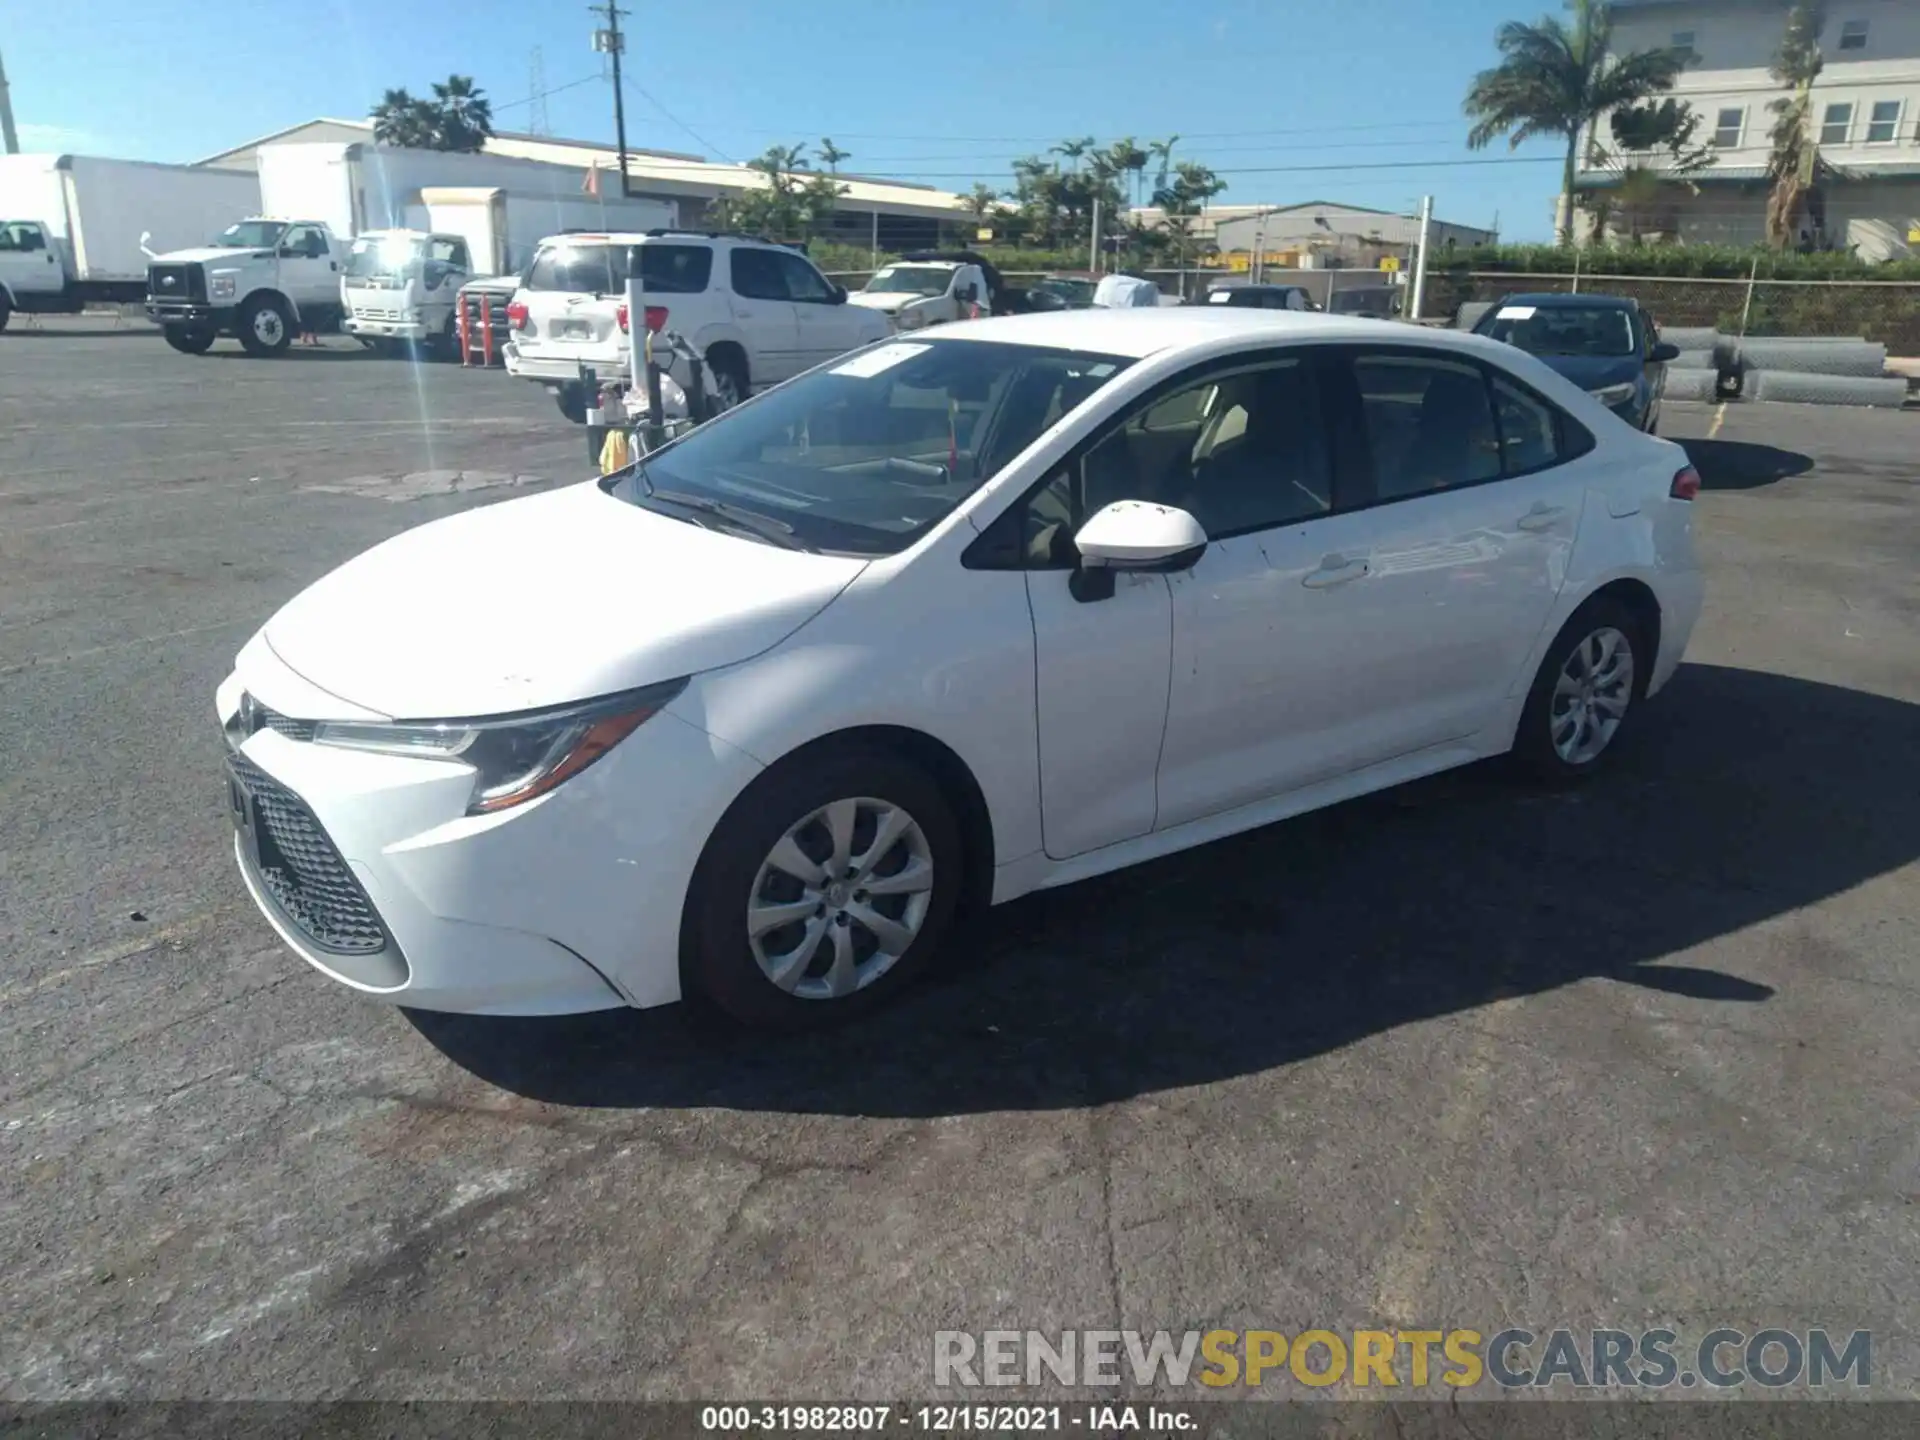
980	202
463	118
1552	80
1795	166
831	154
1162	150
400	119
1074	149
1127	158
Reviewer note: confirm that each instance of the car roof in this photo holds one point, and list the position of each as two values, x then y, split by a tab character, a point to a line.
1584	300
1137	332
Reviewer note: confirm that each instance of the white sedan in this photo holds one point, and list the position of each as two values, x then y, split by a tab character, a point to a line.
931	626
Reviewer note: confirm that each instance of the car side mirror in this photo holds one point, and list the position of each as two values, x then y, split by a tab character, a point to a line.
838	294
1133	535
1663	353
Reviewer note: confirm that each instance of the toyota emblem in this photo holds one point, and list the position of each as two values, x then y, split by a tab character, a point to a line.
167	281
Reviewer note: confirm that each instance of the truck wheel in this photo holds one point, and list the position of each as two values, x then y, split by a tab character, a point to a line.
572	400
265	328
446	345
6	310
188	339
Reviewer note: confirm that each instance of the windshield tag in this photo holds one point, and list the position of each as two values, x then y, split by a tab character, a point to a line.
1515	312
874	362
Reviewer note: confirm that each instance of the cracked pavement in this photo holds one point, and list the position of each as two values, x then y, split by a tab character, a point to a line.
1460	1054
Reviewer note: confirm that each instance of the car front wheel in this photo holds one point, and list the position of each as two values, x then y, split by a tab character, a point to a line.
1583	694
828	886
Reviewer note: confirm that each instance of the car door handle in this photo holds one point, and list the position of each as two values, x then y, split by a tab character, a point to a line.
1542	517
744	314
1337	573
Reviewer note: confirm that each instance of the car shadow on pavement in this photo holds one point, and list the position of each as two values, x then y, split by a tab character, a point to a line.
1741	465
1740	797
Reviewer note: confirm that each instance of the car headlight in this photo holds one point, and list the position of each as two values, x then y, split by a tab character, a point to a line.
1611	395
515	758
906	319
221	287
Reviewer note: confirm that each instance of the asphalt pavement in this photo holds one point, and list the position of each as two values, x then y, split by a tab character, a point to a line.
1463	1054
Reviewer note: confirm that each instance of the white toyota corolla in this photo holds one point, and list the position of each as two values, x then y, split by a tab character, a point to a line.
934	625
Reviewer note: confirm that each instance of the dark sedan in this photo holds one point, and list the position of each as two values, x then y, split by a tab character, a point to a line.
1605	344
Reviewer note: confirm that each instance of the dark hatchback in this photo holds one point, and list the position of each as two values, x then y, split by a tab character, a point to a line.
1605	344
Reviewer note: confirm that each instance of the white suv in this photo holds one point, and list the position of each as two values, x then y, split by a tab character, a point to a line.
760	313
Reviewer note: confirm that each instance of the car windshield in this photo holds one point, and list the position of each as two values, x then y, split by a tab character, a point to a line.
865	455
385	255
251	235
1590	330
1068	288
909	280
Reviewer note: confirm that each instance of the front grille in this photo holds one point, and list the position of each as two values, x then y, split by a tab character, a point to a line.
283	724
176	281
298	866
495	319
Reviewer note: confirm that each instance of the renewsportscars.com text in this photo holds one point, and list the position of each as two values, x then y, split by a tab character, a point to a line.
1657	1359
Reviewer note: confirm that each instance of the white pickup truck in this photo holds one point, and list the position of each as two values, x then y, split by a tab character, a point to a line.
400	289
260	281
922	290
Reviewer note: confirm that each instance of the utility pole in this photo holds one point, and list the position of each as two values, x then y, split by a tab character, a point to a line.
7	132
612	43
1420	260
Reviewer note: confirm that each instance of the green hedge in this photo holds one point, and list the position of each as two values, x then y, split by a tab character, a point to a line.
1727	262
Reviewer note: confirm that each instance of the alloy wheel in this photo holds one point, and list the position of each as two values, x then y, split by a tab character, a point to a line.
1591	696
268	327
840	897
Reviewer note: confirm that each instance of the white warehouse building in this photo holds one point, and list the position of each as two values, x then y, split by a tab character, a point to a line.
892	214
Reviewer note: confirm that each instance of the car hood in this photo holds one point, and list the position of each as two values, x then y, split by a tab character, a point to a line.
1590	372
211	254
541	601
886	304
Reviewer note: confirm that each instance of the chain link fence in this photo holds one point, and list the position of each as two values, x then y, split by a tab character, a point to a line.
1883	311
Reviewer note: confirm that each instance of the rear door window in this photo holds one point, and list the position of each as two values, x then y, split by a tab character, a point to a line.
1428	423
675	269
757	275
593	269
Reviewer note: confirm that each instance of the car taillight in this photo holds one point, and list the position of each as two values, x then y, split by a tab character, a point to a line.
516	315
1686	484
656	316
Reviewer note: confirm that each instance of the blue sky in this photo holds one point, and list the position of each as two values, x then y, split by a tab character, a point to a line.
1258	89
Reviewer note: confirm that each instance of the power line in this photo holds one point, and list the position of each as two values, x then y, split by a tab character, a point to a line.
698	139
554	90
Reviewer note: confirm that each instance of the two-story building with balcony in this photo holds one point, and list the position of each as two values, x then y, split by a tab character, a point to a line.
1866	106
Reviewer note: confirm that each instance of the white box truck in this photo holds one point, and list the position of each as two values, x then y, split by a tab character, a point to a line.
75	230
501	205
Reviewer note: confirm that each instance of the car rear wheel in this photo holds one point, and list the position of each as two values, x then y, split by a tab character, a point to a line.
572	400
828	886
6	310
1584	693
726	383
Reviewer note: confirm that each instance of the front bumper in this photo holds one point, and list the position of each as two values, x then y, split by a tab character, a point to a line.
385	329
190	312
569	903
